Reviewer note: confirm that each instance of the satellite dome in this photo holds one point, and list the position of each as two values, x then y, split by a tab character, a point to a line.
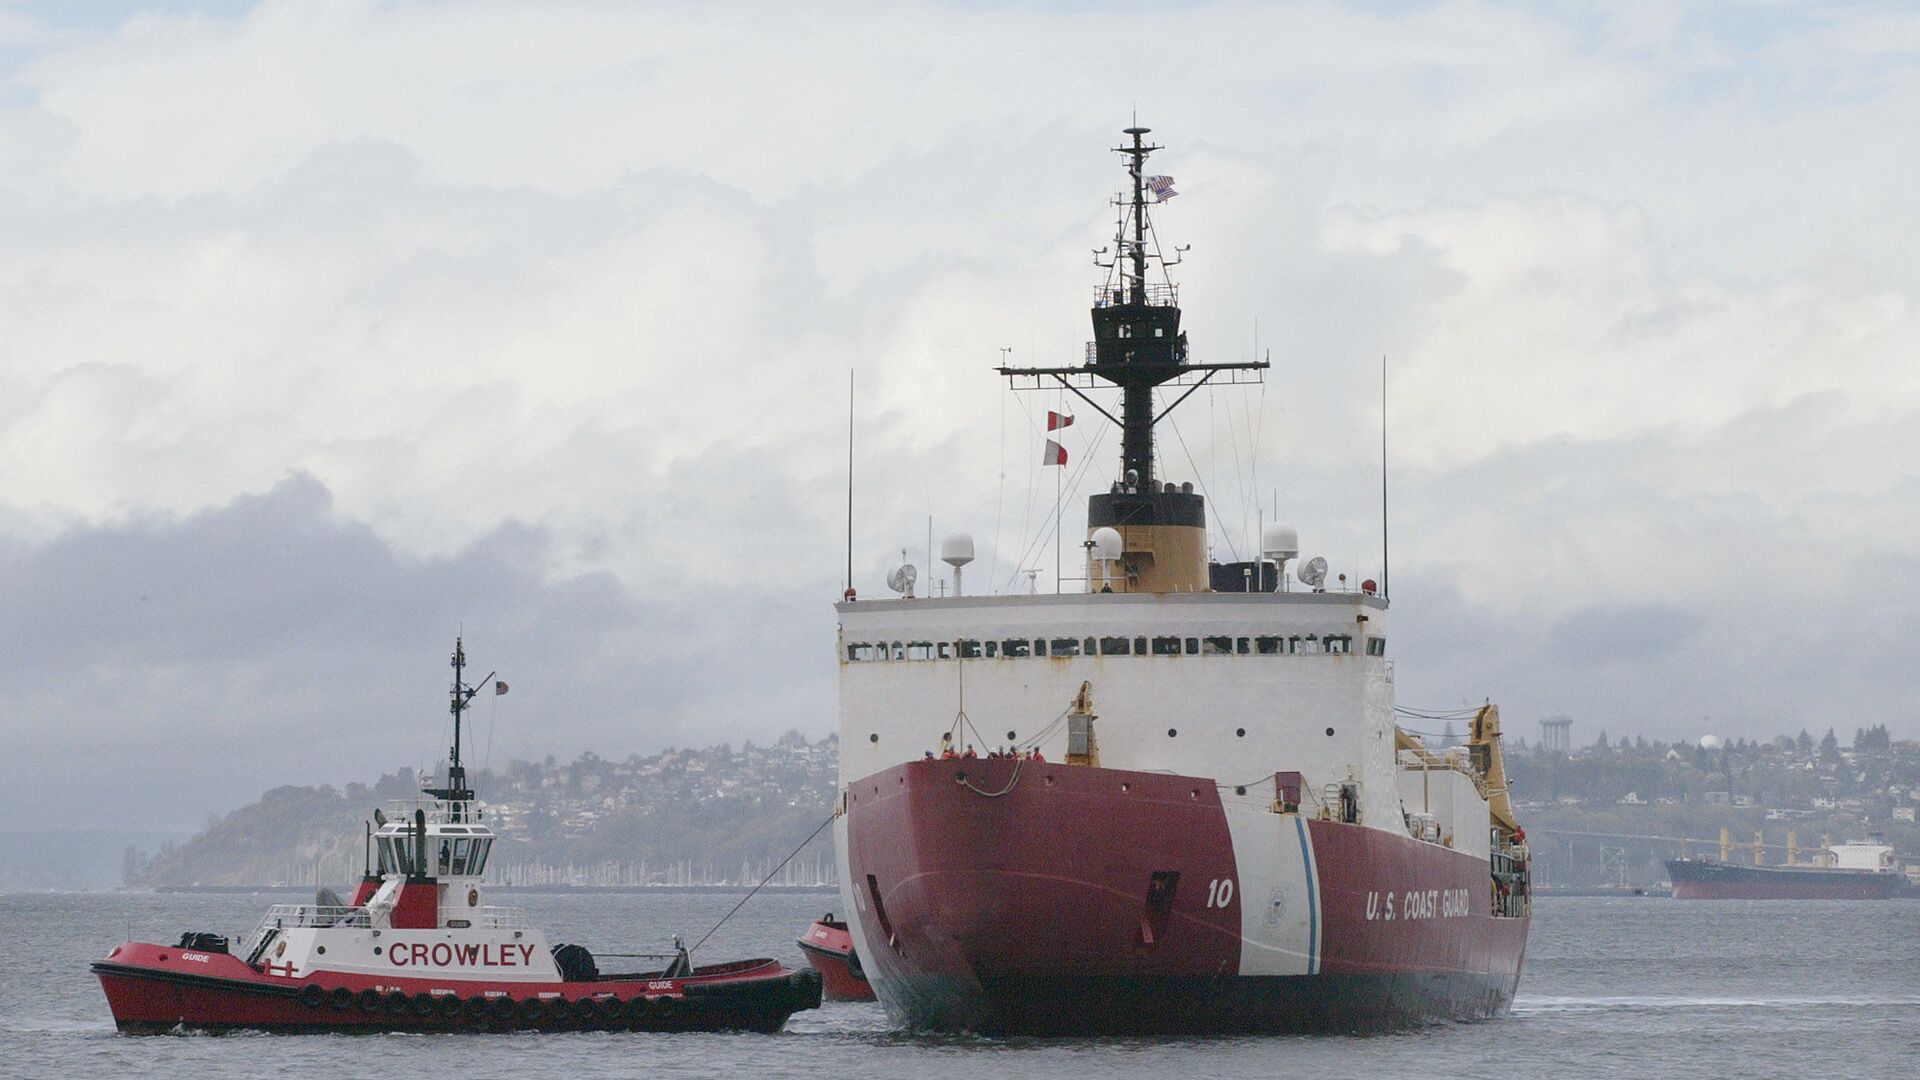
956	549
1280	542
1107	544
1711	742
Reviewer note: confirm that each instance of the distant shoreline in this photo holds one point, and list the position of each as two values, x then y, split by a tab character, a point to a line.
687	890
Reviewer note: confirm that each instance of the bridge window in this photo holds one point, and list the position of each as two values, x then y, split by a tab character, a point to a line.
859	653
460	851
1065	646
1193	646
1340	644
898	651
969	649
1114	646
1014	648
1268	646
1377	646
943	650
1166	646
919	650
477	861
1216	646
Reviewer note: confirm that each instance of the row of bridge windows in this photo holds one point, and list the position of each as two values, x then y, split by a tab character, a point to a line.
1015	648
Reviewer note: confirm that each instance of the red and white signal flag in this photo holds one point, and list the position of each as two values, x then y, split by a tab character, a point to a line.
1056	421
1055	455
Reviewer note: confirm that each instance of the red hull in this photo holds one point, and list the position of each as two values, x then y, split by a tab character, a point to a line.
1032	911
829	948
156	988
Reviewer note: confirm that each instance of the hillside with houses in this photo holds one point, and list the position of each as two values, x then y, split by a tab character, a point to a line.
1605	811
684	816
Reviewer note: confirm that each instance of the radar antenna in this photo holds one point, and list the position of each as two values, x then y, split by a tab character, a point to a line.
456	793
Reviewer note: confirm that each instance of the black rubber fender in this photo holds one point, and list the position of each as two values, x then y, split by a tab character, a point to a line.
312	994
398	1002
341	998
528	1012
447	1005
370	1000
422	1004
474	1007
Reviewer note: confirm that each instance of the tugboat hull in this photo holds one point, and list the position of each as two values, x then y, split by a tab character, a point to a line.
154	989
828	946
1003	896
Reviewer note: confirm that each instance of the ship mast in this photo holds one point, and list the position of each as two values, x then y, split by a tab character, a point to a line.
1138	347
456	793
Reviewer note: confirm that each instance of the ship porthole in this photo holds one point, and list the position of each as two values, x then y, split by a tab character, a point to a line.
376	950
875	737
1329	731
1171	732
1011	736
1240	732
321	949
1240	791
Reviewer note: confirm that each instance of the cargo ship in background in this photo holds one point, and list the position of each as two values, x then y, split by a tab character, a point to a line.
1856	870
1177	800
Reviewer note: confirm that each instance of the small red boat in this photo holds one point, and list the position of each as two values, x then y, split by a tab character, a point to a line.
829	948
417	950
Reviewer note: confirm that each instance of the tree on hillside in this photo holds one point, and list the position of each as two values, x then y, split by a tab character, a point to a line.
1804	744
1830	747
1873	739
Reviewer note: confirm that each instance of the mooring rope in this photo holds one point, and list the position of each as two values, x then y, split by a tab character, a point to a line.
763	881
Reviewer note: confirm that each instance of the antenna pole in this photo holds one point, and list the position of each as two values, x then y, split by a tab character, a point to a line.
849	593
1384	578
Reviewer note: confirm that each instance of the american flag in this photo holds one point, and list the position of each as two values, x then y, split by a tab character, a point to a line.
1162	188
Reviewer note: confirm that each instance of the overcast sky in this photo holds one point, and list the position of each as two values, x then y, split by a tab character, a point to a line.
330	329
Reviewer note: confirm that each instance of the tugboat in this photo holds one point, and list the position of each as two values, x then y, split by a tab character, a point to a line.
417	949
829	948
1192	809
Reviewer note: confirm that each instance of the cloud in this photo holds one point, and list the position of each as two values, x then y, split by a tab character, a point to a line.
326	327
270	640
1622	634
